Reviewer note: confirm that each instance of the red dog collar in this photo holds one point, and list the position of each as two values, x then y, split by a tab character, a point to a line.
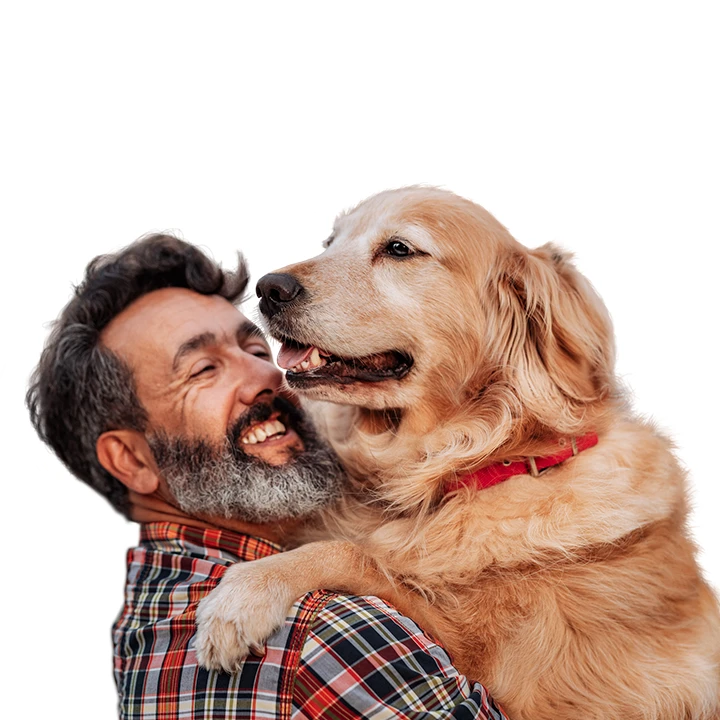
498	472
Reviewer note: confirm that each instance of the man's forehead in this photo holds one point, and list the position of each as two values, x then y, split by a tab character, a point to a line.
162	320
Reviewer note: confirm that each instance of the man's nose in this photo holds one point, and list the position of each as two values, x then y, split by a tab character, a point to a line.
276	291
255	378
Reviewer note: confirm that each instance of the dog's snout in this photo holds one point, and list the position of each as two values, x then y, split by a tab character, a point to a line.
276	290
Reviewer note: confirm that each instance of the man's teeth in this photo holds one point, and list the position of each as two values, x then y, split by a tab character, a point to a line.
260	433
314	361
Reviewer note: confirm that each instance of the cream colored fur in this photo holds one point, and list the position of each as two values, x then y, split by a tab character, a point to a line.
571	595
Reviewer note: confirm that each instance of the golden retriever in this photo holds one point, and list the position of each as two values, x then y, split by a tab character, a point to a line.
447	352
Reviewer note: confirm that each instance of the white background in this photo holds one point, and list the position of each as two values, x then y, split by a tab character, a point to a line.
249	126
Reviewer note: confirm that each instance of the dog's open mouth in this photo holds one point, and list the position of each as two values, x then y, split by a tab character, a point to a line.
308	364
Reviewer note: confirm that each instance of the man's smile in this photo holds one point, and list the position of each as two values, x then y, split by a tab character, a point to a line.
271	436
266	431
263	432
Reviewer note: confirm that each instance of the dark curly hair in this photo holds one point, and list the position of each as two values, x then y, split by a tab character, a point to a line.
80	389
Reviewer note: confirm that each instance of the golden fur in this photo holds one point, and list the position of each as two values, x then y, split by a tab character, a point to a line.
574	594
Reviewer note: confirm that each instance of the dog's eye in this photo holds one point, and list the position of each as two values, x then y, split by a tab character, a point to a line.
396	248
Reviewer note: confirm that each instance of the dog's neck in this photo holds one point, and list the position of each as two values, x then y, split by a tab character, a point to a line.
496	473
376	422
380	445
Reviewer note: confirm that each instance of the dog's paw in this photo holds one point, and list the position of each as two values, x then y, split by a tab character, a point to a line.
236	618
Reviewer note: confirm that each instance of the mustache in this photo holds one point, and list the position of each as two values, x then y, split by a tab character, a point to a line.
261	412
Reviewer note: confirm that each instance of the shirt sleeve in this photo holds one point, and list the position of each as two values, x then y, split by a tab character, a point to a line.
362	659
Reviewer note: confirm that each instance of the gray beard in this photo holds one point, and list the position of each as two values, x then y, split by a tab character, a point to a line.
224	481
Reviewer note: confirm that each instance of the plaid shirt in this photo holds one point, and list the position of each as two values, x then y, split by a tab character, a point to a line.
338	657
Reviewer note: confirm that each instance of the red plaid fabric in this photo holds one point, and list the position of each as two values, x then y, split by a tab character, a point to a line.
336	657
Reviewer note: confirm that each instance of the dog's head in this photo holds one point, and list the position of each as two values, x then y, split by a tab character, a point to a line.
423	302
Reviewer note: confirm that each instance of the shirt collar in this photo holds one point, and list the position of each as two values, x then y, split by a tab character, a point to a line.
245	547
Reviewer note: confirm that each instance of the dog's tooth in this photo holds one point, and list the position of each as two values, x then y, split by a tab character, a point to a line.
244	440
305	364
260	434
279	426
250	437
315	357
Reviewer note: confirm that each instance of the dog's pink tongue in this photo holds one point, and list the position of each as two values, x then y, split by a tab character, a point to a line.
289	357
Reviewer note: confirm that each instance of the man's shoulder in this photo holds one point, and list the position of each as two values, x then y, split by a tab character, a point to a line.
361	656
345	655
379	623
354	625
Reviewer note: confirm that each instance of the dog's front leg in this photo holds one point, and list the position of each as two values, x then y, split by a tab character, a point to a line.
254	598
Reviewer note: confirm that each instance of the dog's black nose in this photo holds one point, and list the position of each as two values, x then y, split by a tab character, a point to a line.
275	290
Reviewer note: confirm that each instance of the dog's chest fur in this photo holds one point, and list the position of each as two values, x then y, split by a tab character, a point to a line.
581	583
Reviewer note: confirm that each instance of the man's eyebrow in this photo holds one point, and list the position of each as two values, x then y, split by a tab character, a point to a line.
194	343
246	329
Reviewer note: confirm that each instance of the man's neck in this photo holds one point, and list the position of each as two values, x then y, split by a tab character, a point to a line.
154	508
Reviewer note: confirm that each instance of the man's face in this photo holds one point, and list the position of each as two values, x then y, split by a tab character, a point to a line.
226	439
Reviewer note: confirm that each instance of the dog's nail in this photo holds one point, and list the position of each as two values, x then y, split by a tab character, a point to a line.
258	650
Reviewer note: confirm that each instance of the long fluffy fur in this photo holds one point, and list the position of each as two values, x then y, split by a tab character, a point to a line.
572	595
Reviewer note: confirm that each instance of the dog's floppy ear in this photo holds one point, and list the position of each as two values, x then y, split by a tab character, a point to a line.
553	339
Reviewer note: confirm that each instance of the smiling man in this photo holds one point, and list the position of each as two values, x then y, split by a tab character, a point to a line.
220	426
156	391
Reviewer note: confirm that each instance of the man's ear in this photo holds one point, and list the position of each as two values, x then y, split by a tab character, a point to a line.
126	455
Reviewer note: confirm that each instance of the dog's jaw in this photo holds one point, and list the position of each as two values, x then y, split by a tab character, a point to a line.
384	395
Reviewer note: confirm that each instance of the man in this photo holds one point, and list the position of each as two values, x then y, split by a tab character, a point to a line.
155	390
